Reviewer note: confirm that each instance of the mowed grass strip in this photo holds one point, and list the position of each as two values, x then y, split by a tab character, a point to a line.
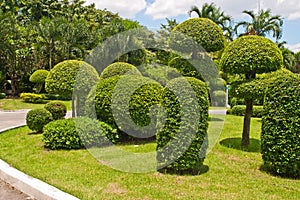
232	174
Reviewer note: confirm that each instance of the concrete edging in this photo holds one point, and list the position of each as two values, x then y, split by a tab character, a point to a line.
28	185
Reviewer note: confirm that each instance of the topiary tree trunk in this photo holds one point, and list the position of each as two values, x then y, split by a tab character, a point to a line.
247	123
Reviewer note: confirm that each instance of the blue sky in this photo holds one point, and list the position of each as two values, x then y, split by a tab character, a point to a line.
152	13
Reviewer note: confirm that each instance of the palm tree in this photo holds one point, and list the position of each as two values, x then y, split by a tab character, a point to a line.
210	11
262	24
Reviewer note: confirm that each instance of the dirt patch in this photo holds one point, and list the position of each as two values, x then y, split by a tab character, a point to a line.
115	188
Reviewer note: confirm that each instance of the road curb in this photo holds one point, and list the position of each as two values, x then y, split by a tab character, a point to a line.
31	186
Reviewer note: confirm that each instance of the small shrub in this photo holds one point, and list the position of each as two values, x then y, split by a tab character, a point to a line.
2	95
183	135
36	119
57	108
239	110
219	98
76	133
33	98
118	69
280	141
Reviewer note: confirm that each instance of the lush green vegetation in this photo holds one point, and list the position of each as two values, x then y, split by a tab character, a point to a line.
232	173
19	104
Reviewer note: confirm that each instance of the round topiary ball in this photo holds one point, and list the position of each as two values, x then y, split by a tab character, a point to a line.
57	108
71	75
203	31
36	119
39	76
119	68
250	55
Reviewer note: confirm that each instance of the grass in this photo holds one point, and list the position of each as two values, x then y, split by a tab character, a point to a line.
232	173
19	104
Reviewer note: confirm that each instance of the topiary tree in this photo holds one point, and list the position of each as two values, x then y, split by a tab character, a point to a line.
36	119
202	31
72	78
119	68
125	102
248	56
182	138
57	108
280	141
38	77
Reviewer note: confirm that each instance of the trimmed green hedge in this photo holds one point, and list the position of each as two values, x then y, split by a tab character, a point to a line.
76	133
36	119
184	133
202	30
32	98
185	67
57	108
280	138
239	110
119	69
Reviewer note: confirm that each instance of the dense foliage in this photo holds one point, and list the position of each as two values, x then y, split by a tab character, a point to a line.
39	76
32	98
240	110
119	69
57	108
76	133
36	119
185	101
280	142
203	31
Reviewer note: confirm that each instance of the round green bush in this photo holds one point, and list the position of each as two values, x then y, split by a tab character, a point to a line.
202	30
162	74
250	55
118	69
185	67
76	133
280	141
134	105
36	119
71	75
186	126
39	76
57	108
2	95
128	99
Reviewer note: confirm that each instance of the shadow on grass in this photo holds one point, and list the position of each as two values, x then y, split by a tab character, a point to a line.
235	143
267	169
214	119
203	169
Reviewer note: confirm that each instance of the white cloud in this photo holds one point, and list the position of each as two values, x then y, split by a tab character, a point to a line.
125	8
295	47
161	9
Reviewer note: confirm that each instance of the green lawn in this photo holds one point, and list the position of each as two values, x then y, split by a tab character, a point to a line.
232	173
19	104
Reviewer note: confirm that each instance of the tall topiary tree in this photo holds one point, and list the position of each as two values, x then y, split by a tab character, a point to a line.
248	56
72	78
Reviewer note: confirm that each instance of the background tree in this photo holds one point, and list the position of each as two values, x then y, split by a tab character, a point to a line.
214	13
243	57
262	24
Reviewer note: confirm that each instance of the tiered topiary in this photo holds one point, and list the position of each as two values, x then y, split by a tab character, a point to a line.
181	144
118	69
38	77
57	108
36	119
76	133
280	139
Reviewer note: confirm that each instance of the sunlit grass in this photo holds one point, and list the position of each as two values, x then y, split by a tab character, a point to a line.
232	174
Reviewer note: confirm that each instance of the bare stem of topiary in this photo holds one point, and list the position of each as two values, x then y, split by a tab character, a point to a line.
247	121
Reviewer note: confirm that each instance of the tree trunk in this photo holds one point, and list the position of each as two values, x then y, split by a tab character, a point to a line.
73	106
247	121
